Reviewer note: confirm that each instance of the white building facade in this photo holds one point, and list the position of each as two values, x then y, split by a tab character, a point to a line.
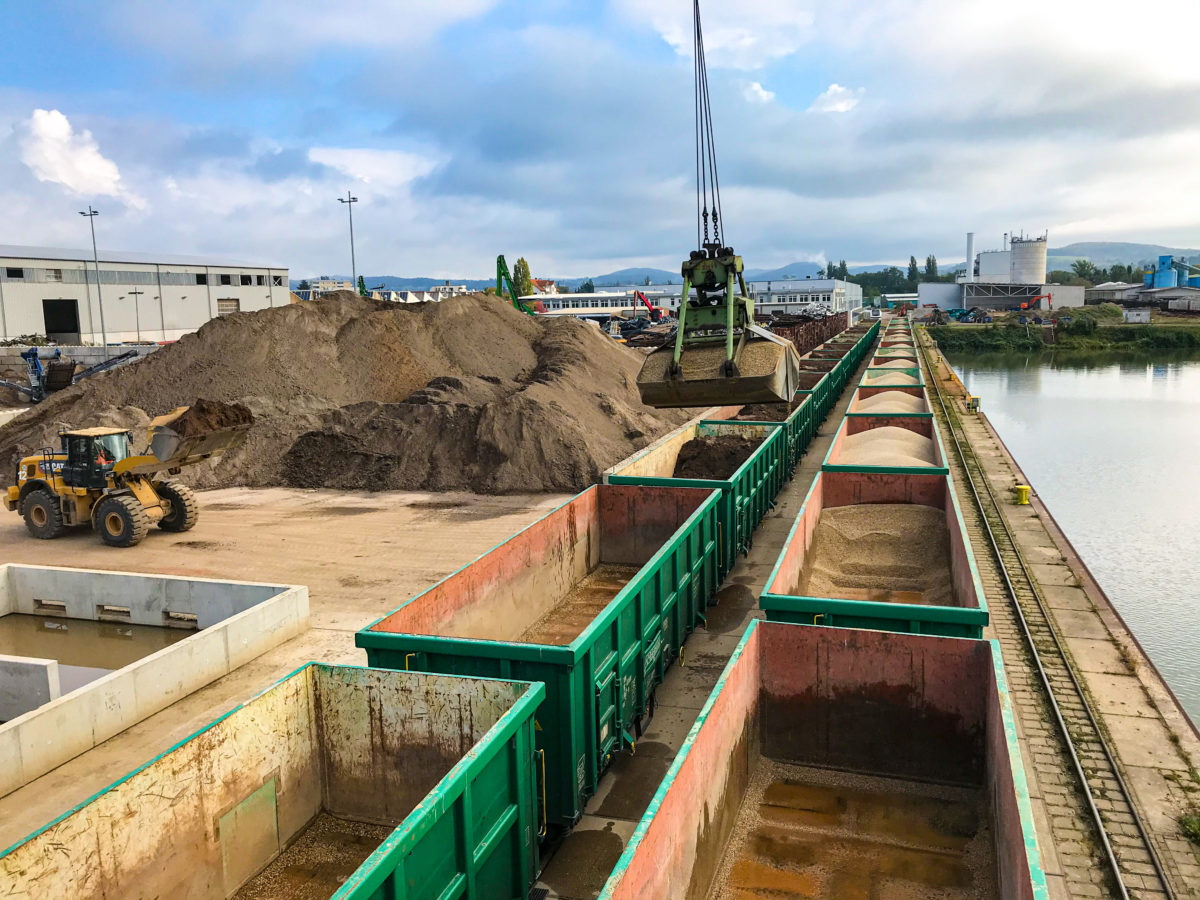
53	292
793	295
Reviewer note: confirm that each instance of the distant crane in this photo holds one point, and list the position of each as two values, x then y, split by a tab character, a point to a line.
504	282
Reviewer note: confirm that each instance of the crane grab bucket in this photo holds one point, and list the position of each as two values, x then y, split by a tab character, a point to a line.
768	370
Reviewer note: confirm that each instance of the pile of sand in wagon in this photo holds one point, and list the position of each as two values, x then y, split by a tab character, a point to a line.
898	363
886	446
886	552
889	378
346	392
891	402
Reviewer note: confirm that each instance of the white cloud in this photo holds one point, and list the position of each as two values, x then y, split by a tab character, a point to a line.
756	93
837	99
745	35
55	152
388	169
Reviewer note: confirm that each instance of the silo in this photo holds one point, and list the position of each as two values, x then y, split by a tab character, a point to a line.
1027	261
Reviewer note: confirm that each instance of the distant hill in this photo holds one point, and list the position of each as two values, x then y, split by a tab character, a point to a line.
791	270
628	276
1107	253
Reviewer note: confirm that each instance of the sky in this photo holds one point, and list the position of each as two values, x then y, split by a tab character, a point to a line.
865	130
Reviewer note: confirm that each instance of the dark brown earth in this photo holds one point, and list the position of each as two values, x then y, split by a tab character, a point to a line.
347	392
713	458
765	412
211	415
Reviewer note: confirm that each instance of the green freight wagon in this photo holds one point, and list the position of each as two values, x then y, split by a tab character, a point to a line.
594	600
851	452
800	426
407	786
888	565
831	763
746	495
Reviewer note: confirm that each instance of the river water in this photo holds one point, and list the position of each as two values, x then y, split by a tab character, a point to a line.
1112	445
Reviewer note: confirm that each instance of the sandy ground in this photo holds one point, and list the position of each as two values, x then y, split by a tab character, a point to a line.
360	555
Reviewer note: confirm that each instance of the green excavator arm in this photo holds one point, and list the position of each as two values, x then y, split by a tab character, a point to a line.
504	285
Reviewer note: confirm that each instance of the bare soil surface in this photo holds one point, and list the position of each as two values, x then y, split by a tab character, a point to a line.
881	552
204	416
352	393
713	458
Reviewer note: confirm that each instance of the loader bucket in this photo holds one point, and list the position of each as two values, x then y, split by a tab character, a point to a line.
768	367
174	451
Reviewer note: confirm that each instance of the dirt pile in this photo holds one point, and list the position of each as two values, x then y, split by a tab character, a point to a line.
765	412
713	458
887	446
204	416
347	392
885	552
892	402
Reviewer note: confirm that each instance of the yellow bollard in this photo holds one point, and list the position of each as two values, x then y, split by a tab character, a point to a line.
1022	495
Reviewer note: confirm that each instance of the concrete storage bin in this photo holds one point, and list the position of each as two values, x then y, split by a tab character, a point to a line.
399	784
850	452
226	624
858	739
887	551
595	600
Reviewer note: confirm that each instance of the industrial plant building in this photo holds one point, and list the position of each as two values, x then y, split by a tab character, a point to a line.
1013	277
53	292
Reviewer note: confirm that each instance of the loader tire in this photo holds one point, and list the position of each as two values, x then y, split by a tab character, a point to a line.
184	509
121	520
43	514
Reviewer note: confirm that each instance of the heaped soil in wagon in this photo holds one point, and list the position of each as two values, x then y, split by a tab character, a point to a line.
358	394
714	458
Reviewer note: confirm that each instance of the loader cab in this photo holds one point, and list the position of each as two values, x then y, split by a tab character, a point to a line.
91	454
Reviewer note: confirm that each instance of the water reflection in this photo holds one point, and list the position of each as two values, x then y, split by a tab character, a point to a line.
1110	442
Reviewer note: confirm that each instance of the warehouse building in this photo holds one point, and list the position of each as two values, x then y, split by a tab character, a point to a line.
53	292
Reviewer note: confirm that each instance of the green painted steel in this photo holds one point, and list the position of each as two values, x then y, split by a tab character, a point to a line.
474	835
745	496
828	466
600	686
946	621
800	428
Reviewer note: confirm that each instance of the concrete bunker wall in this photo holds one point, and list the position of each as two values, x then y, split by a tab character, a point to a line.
256	618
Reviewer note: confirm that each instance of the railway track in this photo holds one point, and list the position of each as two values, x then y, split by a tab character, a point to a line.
1093	795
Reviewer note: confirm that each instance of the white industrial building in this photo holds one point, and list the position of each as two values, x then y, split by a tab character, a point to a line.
53	292
788	296
1012	278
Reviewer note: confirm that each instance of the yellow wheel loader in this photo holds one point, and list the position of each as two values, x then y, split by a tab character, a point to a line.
95	479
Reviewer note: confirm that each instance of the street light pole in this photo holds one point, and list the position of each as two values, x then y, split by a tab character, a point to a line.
91	217
135	293
350	200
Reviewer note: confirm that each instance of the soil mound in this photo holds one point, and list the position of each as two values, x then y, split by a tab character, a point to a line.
348	392
204	416
713	458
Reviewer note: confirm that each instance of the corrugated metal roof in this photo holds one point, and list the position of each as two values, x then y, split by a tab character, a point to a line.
17	251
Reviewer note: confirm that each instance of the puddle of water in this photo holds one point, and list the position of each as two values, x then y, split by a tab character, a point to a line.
85	650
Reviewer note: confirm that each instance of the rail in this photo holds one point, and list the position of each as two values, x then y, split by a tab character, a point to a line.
1046	650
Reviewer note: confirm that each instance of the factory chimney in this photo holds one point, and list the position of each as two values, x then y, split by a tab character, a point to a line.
970	278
